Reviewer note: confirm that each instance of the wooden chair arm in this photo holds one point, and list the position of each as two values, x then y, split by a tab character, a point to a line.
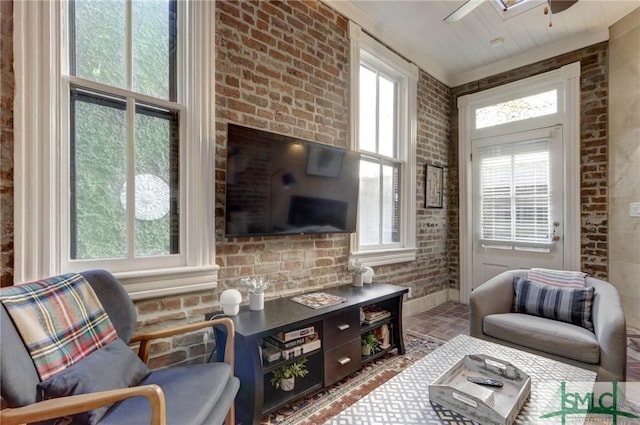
64	406
145	338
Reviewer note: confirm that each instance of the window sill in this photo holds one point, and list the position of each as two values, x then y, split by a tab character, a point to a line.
166	282
383	257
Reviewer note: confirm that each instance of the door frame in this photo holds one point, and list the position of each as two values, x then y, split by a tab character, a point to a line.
567	80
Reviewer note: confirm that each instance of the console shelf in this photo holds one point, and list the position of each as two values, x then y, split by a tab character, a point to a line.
339	330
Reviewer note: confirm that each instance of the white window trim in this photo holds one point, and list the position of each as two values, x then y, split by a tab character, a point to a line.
38	131
408	129
567	80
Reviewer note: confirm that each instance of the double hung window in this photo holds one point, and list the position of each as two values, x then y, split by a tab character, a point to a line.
124	131
114	117
383	131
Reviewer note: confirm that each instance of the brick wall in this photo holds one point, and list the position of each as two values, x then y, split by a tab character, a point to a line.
283	67
593	146
6	143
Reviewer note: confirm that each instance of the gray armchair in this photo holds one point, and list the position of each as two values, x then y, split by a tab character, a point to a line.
193	394
603	350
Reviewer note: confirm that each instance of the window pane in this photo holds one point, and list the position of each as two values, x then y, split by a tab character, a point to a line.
532	197
496	198
98	172
154	47
390	204
369	203
387	118
99	36
367	110
156	183
518	109
515	192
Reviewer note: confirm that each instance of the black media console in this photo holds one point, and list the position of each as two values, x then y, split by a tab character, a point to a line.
339	327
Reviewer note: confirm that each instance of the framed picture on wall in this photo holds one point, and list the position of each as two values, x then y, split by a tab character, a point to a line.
433	186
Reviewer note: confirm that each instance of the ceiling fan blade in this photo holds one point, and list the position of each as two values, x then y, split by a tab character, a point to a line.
558	6
463	10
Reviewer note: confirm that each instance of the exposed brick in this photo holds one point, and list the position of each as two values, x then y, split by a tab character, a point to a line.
167	359
593	142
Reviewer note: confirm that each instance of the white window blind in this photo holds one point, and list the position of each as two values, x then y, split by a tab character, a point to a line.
515	192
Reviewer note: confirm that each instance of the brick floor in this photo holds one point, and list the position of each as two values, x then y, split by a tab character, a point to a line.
450	319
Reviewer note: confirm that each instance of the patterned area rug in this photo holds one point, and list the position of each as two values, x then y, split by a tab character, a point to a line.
322	405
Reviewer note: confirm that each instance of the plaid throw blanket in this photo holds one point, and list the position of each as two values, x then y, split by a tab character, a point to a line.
60	320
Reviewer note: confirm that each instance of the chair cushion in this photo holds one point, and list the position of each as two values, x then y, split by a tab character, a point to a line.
559	278
191	393
569	305
549	336
60	320
111	367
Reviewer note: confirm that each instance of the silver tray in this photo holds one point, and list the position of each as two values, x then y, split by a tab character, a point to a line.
483	404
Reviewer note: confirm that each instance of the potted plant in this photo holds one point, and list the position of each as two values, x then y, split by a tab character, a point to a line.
285	376
255	288
370	344
357	270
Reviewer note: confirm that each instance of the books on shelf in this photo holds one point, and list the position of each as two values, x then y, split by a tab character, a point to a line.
373	314
284	345
377	318
270	354
295	334
371	311
309	343
318	299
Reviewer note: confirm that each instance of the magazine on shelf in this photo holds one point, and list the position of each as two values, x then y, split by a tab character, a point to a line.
318	299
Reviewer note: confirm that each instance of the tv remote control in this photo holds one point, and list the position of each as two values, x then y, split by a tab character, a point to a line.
485	381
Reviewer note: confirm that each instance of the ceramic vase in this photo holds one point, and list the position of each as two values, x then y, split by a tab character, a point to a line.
287	384
256	301
357	280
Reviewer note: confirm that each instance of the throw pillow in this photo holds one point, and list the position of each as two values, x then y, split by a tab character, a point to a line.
60	320
558	278
111	367
569	305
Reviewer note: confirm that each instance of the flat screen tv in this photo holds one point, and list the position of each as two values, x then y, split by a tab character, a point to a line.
279	185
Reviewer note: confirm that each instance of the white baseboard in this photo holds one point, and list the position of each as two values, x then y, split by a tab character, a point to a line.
418	305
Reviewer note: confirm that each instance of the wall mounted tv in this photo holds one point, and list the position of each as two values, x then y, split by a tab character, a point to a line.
279	185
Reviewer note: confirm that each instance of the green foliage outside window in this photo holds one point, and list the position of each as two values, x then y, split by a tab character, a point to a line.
100	151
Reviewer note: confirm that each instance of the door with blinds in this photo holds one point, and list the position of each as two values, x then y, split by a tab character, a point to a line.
517	202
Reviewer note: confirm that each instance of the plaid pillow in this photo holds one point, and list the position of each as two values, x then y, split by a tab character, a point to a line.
558	278
59	319
564	304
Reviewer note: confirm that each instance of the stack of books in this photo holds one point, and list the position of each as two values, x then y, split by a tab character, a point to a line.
374	314
287	345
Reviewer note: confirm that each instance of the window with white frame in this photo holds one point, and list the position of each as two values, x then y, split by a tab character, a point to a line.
383	129
515	192
124	131
122	178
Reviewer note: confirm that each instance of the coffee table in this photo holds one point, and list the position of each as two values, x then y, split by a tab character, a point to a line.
404	399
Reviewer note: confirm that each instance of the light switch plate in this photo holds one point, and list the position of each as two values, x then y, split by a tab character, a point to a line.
634	209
